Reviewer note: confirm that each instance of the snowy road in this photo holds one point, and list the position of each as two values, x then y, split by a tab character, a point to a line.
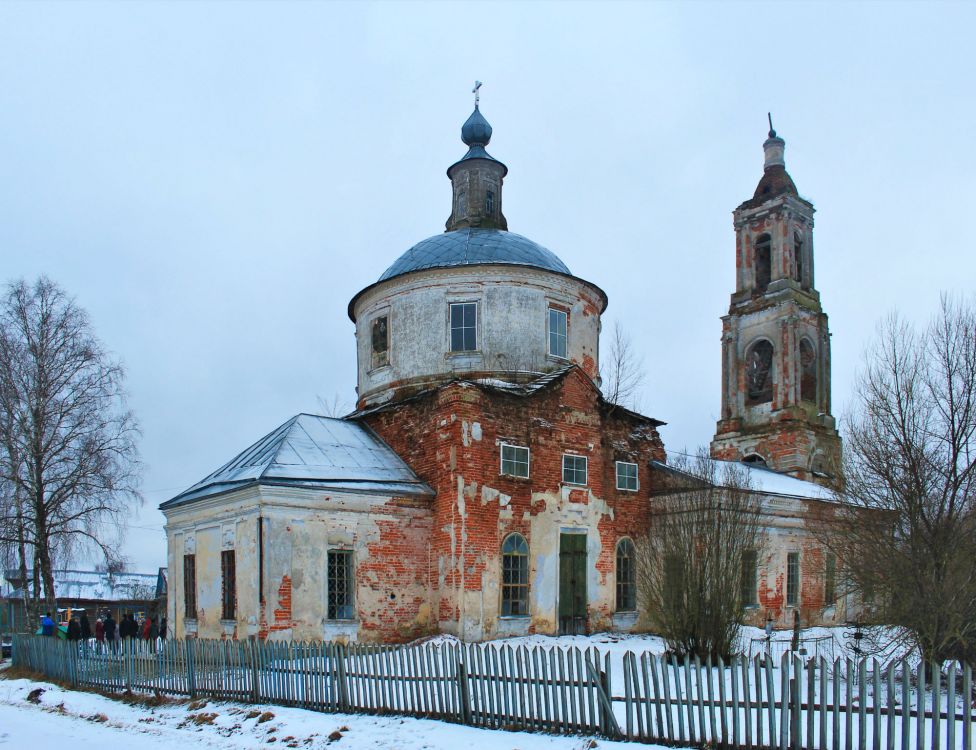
62	718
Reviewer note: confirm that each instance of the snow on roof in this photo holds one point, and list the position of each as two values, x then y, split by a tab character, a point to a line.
313	451
769	482
100	585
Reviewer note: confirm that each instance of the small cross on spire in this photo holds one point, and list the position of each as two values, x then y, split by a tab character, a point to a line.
477	95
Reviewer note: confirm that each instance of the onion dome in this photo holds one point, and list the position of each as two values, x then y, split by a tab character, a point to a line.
476	131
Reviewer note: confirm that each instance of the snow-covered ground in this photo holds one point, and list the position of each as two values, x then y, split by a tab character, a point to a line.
67	718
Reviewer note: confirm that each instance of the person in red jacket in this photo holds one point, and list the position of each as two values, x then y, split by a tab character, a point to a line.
99	630
146	629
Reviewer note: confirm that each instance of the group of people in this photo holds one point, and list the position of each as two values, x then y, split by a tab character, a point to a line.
107	630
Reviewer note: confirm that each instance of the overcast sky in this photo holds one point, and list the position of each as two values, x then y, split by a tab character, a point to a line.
214	182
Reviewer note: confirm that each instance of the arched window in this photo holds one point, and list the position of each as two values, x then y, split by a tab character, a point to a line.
798	255
462	205
515	576
808	371
626	576
754	459
763	266
759	373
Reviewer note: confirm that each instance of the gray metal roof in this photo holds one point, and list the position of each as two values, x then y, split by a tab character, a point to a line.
315	452
471	246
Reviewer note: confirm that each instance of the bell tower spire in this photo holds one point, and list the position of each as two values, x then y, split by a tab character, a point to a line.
476	179
775	341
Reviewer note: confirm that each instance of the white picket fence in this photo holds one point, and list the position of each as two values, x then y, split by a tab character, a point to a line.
785	703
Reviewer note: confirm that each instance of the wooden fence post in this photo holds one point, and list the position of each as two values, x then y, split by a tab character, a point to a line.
463	691
340	671
255	672
191	675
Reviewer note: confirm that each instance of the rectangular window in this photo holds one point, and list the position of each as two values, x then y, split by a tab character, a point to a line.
830	579
490	202
464	322
792	579
574	469
190	587
380	341
515	460
557	333
341	585
228	585
626	476
749	575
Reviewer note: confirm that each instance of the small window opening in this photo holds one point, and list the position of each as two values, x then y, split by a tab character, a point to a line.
557	332
808	371
763	263
750	561
626	476
798	255
830	579
574	469
228	585
490	202
792	579
515	460
464	321
515	576
190	587
341	587
759	373
626	576
381	341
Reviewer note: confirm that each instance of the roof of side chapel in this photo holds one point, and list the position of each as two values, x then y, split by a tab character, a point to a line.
312	451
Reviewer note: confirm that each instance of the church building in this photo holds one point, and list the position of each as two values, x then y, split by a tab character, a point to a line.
484	487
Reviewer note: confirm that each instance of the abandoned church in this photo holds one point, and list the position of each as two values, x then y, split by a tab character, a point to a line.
484	487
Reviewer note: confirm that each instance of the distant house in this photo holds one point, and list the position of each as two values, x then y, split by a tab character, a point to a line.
93	591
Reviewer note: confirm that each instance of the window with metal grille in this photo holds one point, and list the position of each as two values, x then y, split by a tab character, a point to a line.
574	469
626	576
190	587
557	332
749	578
792	578
626	476
464	323
830	579
341	585
515	576
515	460
228	585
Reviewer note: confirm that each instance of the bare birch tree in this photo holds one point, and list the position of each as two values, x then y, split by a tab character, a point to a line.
911	461
621	371
69	441
704	524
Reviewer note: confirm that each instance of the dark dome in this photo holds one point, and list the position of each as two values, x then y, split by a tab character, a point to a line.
476	130
472	247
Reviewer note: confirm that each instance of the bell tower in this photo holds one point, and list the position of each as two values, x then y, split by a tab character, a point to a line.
775	342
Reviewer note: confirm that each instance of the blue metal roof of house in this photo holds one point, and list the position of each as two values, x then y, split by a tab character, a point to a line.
472	246
314	452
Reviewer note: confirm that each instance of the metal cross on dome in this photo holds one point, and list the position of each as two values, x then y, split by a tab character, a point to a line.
477	95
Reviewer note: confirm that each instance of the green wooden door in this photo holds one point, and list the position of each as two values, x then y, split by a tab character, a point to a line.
572	583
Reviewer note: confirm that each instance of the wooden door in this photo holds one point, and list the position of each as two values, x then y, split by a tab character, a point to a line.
572	584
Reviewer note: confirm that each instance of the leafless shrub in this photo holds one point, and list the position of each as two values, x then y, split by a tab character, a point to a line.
690	565
622	371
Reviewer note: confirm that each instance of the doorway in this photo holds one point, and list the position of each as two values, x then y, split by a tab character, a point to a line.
572	584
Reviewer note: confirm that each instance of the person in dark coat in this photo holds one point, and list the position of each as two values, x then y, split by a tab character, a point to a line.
74	629
124	627
162	628
109	628
86	631
153	631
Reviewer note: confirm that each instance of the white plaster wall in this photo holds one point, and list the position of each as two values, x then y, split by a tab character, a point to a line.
512	324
